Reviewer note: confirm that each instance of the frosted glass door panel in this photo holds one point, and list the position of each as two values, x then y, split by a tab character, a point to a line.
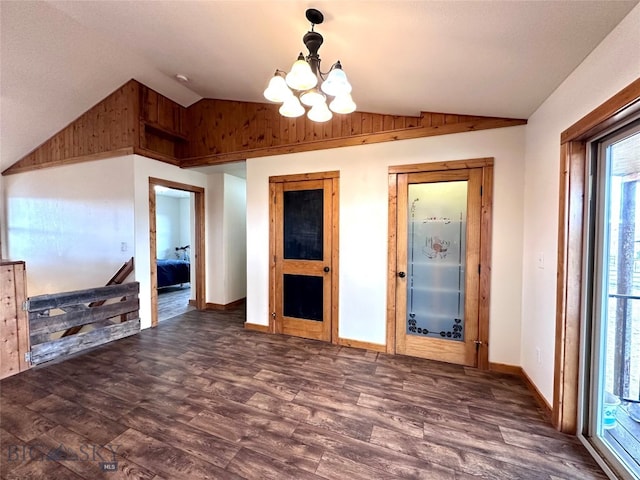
436	259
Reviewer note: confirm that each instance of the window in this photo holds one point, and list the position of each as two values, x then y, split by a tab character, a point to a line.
610	375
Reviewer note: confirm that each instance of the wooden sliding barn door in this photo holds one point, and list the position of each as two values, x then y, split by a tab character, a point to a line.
304	255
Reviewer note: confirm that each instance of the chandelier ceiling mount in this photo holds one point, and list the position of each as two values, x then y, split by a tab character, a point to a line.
306	84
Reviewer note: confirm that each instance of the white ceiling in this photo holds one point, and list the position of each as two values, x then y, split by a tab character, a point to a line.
495	58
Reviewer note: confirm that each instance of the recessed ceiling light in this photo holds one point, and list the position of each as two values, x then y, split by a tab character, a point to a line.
182	78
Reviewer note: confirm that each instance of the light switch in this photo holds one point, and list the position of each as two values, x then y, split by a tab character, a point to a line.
540	260
123	247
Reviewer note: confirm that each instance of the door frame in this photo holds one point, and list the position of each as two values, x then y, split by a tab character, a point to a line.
198	241
486	212
335	241
571	236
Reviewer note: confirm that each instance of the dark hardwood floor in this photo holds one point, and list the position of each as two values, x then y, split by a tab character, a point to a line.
200	397
173	301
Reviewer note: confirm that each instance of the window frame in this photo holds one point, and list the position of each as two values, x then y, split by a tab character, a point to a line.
571	239
595	267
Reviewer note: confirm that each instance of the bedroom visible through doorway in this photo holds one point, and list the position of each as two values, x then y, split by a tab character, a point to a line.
176	241
174	234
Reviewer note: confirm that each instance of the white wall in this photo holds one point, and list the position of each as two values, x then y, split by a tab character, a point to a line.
235	228
168	226
215	243
174	217
68	223
226	209
3	220
363	228
614	64
185	224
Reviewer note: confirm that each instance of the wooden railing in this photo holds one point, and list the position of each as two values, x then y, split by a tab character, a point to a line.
119	277
626	343
113	311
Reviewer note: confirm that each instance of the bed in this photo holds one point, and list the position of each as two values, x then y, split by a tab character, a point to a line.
173	272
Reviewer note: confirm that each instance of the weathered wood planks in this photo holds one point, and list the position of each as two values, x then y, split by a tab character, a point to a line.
53	349
14	329
60	300
119	277
41	327
76	314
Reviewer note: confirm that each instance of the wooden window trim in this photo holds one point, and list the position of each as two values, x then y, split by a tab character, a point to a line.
486	217
199	242
571	231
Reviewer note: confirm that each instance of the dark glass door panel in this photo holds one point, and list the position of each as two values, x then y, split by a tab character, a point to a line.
303	224
303	297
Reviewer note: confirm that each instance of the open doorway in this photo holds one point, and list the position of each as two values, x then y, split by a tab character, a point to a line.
176	234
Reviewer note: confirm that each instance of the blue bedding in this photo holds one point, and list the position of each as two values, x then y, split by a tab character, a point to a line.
173	272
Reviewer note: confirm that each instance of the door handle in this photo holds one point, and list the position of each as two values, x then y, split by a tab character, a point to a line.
401	274
326	269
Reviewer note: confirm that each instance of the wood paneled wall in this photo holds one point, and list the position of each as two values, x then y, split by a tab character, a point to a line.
224	131
224	127
160	112
163	126
110	126
136	119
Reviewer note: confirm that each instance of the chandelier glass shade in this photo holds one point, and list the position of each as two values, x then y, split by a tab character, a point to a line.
320	112
291	107
301	77
307	85
343	104
277	91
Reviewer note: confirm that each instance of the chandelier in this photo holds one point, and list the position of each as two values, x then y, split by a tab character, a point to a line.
307	85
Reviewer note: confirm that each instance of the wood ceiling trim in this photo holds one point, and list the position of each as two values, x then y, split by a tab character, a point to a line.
29	165
136	119
626	102
483	123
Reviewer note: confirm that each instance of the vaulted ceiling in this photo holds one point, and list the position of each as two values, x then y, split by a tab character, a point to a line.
489	58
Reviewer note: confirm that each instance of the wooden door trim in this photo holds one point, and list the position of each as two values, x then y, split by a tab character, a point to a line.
442	166
571	231
486	216
273	192
304	176
484	301
402	206
276	184
335	253
392	271
198	241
